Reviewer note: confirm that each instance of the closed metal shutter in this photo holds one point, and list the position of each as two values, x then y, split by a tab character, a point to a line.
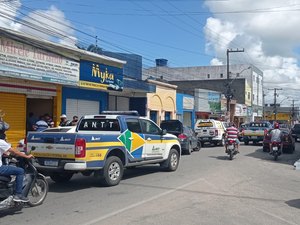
81	107
14	106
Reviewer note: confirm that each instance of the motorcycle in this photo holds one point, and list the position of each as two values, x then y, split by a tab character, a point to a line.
231	148
275	149
35	186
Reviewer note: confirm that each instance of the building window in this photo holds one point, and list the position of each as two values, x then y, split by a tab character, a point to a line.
249	96
167	115
253	97
208	76
221	75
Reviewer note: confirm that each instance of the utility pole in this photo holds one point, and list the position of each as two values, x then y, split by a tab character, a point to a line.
228	85
293	112
275	104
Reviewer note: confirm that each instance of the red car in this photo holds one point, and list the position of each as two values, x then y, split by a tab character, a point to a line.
288	141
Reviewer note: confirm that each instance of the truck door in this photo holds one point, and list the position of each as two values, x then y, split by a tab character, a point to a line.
155	144
134	139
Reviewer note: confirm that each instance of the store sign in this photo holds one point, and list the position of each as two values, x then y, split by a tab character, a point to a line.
214	101
27	62
188	103
100	76
240	110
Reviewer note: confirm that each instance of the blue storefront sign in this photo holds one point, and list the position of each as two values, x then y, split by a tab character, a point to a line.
100	76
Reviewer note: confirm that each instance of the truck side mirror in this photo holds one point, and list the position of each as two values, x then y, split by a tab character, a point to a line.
163	132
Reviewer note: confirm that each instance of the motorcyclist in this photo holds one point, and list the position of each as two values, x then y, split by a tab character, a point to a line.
232	133
6	170
276	136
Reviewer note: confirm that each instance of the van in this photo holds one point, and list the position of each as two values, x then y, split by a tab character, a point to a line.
210	131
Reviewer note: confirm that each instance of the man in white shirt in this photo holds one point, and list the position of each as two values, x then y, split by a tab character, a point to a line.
6	170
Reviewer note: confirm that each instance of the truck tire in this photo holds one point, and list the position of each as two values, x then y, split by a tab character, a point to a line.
246	142
222	142
171	164
61	177
198	148
113	171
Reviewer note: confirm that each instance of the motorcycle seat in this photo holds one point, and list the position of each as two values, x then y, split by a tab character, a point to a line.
5	178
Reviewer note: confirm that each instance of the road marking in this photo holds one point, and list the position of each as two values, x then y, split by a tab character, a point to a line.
277	217
97	220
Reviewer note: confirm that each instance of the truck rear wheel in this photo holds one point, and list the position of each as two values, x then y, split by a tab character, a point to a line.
113	171
61	177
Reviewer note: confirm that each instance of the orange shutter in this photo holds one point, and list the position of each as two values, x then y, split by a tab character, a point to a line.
14	106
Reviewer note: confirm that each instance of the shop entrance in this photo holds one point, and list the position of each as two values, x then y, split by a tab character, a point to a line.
39	107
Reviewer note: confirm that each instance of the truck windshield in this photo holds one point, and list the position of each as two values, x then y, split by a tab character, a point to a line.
99	125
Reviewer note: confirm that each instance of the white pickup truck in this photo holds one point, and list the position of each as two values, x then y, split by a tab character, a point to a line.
103	145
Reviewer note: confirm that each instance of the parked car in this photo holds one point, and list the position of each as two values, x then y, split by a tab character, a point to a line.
288	141
186	136
296	131
210	130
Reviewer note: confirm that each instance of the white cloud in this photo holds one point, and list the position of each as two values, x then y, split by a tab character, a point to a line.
267	30
49	24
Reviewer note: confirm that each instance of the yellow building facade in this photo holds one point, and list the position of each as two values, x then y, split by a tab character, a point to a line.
161	105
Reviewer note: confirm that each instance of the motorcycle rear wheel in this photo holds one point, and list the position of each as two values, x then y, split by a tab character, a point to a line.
230	155
275	156
38	192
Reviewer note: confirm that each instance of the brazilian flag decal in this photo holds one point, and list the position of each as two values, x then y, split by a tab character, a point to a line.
132	141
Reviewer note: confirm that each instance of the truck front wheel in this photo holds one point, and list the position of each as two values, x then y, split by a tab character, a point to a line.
172	162
112	171
61	177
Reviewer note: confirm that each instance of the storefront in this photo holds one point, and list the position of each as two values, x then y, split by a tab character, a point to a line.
185	109
208	104
161	105
96	79
30	81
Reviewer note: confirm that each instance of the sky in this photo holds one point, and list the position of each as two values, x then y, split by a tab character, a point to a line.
185	32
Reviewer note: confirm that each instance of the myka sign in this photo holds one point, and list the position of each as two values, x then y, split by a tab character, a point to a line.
100	76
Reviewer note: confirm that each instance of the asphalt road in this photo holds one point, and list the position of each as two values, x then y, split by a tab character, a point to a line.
207	188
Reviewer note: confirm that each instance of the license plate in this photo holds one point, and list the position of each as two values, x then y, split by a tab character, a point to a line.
51	163
205	139
275	148
230	147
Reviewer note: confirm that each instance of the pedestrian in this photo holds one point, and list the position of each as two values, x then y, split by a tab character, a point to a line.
64	121
3	126
31	121
49	120
74	121
41	124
